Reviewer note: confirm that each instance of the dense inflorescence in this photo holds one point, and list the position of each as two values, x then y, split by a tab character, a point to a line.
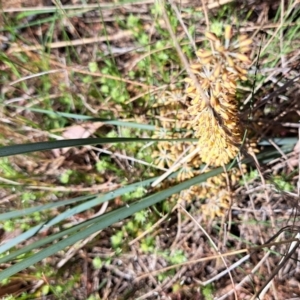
174	120
215	118
210	116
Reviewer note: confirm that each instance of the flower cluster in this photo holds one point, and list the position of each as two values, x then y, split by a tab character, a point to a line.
210	116
215	118
174	120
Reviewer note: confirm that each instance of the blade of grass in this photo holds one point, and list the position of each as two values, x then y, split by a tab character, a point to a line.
21	238
83	117
42	146
51	9
23	212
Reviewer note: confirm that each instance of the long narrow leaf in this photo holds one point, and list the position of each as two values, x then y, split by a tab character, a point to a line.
88	118
52	9
79	208
21	238
41	146
27	211
45	241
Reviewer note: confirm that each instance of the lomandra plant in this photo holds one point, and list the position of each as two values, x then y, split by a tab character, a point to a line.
218	71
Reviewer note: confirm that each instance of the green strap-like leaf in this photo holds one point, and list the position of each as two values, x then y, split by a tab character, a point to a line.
88	118
118	192
41	146
68	213
21	238
27	211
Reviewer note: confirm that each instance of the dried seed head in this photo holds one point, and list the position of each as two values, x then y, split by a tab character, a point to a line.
228	32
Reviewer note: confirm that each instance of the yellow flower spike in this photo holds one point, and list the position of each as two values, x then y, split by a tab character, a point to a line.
217	126
241	57
187	80
190	89
243	77
217	89
244	49
244	43
232	84
196	66
240	70
205	84
206	61
223	114
203	54
219	47
213	140
228	32
230	61
217	71
196	99
211	37
214	101
226	85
